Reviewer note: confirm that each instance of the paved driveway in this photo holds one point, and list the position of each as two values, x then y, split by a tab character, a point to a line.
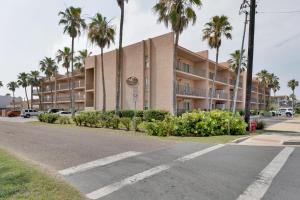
112	166
18	119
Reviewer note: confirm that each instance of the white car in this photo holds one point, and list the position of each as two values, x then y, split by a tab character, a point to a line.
64	113
289	112
27	113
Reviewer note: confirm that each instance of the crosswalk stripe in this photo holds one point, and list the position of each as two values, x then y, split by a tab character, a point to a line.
102	192
258	188
98	163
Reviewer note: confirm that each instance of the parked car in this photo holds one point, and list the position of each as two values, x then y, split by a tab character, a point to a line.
65	113
289	112
14	113
54	110
27	113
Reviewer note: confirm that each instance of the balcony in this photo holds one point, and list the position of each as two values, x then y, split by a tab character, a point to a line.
239	97
191	70
220	79
253	100
67	98
220	95
47	89
65	86
232	82
189	91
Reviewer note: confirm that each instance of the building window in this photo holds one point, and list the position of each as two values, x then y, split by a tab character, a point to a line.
186	67
186	105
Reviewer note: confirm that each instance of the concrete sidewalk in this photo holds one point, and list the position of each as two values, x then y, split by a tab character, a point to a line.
277	134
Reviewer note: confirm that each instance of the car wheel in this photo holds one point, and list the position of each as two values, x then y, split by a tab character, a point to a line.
27	116
288	114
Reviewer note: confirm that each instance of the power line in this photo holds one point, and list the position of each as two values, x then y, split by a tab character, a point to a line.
281	12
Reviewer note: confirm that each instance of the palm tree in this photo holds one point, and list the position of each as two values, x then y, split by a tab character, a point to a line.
177	14
80	59
263	77
101	33
120	56
49	68
35	81
213	33
273	84
234	63
23	81
64	56
293	84
73	24
12	86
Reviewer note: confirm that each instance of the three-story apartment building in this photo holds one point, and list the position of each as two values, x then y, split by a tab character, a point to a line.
150	62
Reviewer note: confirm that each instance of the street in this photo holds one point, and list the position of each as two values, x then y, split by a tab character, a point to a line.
104	164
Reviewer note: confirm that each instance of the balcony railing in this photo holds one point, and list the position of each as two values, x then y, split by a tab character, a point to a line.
65	86
220	95
218	78
67	98
253	100
239	97
47	89
191	70
189	91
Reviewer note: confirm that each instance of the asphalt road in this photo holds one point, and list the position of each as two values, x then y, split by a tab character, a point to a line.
105	165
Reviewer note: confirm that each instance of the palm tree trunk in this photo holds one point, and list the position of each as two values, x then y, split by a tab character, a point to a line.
31	96
26	95
265	97
103	82
174	74
212	92
120	62
14	103
72	73
70	94
293	99
51	90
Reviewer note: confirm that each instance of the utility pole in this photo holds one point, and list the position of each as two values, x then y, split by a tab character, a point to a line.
245	5
250	60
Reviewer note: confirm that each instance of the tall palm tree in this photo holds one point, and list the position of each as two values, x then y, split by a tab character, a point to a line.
101	33
23	81
234	63
293	84
73	25
80	59
35	81
177	14
213	32
263	77
64	57
12	86
49	68
121	4
273	84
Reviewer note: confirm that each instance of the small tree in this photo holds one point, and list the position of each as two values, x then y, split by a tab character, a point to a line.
293	84
80	59
213	33
23	81
102	33
12	86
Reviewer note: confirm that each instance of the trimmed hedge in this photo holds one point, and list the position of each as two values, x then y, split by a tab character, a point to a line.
198	123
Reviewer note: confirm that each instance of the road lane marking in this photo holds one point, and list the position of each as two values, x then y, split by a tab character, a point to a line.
259	187
98	163
104	191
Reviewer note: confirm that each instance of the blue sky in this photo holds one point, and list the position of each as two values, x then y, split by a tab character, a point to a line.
30	32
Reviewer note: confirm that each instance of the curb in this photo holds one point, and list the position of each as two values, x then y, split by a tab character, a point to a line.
237	141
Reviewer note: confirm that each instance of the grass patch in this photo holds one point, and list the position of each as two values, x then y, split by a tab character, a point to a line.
22	181
223	139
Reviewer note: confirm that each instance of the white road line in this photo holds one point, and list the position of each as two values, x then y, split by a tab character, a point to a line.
102	192
98	163
259	187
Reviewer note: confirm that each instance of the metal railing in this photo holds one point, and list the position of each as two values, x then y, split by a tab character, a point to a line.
218	78
220	95
189	91
191	70
232	82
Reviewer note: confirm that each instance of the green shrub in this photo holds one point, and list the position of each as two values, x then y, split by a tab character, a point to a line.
127	114
198	123
48	118
138	121
64	120
242	112
115	122
159	115
89	119
126	121
297	110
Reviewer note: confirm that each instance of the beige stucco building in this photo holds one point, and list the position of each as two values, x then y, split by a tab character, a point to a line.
151	62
